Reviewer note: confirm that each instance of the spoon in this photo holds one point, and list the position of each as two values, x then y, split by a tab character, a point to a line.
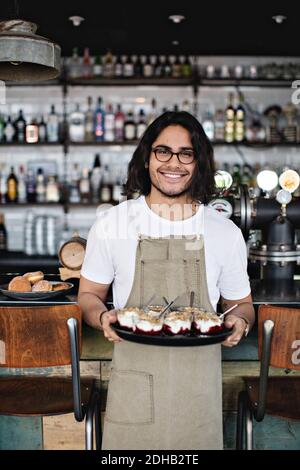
192	296
167	307
227	311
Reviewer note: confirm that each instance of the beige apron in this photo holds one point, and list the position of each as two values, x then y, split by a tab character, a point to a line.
160	397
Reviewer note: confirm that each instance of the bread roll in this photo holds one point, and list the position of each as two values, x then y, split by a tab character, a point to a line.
19	284
60	286
42	286
34	277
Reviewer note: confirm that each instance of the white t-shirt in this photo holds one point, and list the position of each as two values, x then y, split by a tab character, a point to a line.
112	242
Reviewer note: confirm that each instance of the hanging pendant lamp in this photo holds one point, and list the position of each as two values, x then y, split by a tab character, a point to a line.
25	56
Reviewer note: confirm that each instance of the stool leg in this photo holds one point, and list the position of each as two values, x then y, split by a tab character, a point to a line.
240	422
249	429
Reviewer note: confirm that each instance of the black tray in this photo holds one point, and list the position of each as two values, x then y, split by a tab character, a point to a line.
163	339
36	295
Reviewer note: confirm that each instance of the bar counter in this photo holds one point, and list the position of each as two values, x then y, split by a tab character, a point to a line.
272	433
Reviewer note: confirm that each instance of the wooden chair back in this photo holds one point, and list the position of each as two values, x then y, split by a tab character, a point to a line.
37	336
285	346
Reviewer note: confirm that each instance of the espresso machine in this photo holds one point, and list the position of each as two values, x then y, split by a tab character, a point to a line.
271	218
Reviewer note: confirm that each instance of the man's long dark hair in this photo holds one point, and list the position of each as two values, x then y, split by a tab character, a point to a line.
202	183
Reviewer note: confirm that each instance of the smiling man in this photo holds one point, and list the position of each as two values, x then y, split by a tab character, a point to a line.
168	243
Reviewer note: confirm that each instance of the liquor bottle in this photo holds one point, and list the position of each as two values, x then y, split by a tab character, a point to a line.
236	175
89	122
108	65
99	119
76	125
74	195
86	64
22	193
52	190
75	66
160	65
42	130
290	127
96	179
2	126
98	67
138	68
153	112
219	126
84	187
230	120
119	67
40	186
128	70
119	124
168	67
186	67
9	131
176	68
12	186
147	68
3	187
117	190
20	126
3	234
240	121
109	124
247	177
31	187
53	126
32	132
141	124
129	127
106	188
209	126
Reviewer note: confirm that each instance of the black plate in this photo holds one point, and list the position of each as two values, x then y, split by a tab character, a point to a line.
36	295
163	339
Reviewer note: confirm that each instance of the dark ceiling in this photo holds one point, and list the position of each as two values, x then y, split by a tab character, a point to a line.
211	27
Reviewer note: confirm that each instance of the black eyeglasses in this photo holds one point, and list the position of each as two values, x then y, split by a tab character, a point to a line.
164	155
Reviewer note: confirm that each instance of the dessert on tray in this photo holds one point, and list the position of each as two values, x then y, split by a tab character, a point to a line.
206	322
178	322
128	316
148	323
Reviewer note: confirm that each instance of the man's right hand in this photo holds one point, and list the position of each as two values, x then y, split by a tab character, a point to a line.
107	318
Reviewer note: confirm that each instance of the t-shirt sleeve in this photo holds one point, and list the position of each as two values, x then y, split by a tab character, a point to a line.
234	280
97	265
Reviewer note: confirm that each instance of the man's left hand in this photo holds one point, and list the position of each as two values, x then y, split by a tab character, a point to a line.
239	325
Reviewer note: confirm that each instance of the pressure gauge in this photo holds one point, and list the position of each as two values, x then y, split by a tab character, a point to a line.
223	179
222	206
283	197
289	180
267	180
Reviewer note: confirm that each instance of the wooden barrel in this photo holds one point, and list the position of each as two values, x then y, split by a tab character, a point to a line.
71	253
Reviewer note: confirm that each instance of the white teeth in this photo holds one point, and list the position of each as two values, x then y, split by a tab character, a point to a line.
171	175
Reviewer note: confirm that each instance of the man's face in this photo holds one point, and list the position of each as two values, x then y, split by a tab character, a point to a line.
172	178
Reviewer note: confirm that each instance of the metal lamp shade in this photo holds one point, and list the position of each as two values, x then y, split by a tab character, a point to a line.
25	56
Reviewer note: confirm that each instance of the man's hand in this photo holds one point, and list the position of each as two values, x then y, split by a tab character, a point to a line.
239	325
107	318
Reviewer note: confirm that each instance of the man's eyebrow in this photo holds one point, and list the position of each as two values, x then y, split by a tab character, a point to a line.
169	148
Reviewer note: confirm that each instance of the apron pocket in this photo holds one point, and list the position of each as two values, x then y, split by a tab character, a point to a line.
130	398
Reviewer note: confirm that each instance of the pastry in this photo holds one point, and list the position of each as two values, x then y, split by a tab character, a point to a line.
19	284
178	322
127	317
206	322
42	286
60	286
34	277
